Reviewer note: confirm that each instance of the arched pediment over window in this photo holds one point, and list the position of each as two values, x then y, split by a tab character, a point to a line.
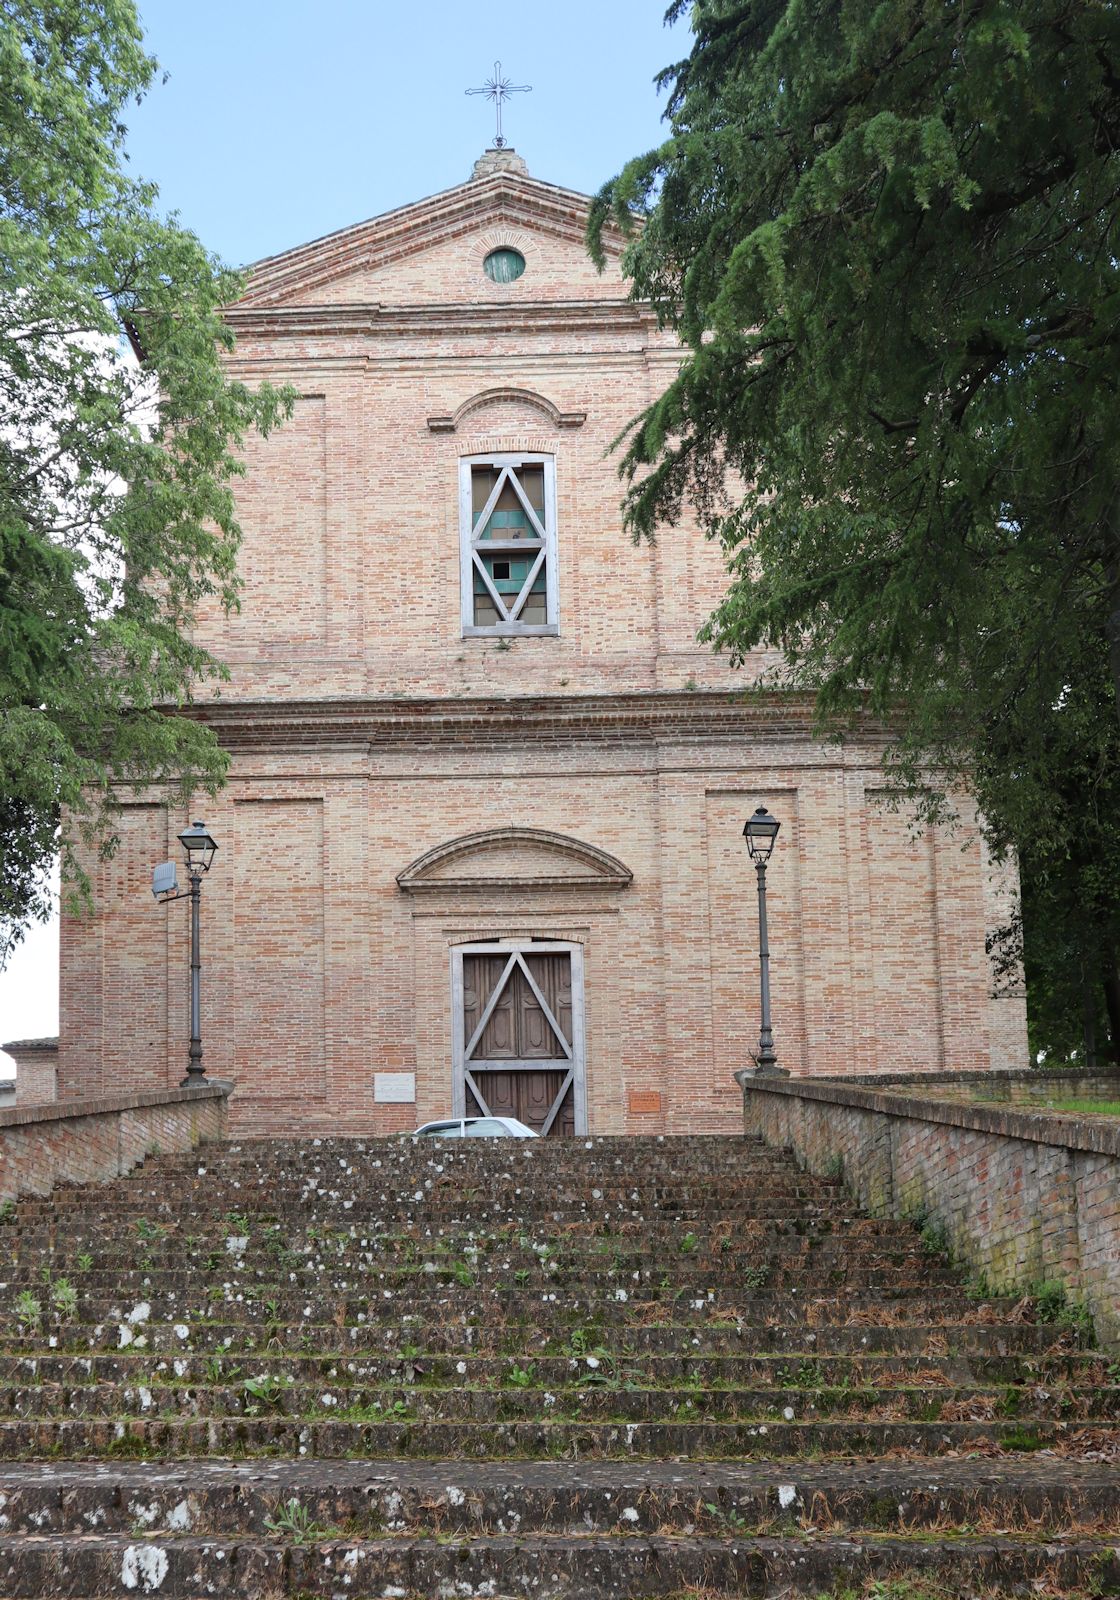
527	398
514	858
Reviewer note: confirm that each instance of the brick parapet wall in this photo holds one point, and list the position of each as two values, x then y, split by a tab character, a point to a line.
90	1141
1017	1087
1024	1197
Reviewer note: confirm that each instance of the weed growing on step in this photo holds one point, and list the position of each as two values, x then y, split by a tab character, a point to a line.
266	1390
934	1237
727	1517
1052	1304
805	1375
7	1212
293	1521
28	1310
1024	1440
520	1377
85	1262
373	1411
64	1299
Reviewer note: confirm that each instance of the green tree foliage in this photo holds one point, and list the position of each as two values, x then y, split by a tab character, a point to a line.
886	231
118	439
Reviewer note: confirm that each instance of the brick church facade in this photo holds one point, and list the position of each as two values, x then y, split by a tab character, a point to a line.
481	843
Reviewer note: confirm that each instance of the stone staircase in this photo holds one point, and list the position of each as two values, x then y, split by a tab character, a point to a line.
606	1367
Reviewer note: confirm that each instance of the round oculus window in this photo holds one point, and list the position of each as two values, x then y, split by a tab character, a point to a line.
503	266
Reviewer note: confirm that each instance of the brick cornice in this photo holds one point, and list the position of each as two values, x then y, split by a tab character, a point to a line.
637	718
390	321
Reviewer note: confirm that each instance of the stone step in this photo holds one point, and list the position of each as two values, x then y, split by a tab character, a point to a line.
610	1392
638	1248
458	1334
736	1162
97	1298
557	1567
606	1368
527	1166
370	1498
683	1254
628	1155
280	1435
560	1307
863	1335
456	1204
440	1370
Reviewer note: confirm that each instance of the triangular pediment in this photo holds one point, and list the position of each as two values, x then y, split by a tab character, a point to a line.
420	253
514	858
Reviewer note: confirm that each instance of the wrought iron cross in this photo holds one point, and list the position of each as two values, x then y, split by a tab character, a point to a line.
499	89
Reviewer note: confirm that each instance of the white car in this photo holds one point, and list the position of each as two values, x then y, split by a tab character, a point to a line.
475	1128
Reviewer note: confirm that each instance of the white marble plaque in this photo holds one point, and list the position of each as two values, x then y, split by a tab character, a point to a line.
394	1088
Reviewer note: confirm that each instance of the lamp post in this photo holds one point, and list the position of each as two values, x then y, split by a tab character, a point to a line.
760	832
199	848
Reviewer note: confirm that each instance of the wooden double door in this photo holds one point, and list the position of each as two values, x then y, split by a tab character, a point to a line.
518	1035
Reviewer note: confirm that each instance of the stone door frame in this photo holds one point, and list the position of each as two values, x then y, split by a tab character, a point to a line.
577	1062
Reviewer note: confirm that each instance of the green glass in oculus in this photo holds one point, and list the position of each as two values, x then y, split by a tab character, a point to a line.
503	266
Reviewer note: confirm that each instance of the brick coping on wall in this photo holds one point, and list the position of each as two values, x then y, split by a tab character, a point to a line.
1035	1126
104	1105
1044	1077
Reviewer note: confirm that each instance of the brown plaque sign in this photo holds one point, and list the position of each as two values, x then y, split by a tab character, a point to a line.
645	1102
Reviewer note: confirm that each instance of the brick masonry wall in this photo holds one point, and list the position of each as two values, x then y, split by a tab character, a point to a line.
1024	1197
365	730
36	1070
93	1140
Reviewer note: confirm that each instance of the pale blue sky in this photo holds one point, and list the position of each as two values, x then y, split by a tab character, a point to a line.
281	120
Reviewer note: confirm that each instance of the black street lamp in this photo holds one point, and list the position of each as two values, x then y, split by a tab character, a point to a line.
200	848
760	832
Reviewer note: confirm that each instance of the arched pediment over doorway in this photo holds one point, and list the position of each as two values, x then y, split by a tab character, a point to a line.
514	858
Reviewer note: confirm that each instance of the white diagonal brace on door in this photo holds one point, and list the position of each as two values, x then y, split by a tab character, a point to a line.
490	1004
469	1079
569	1079
543	1003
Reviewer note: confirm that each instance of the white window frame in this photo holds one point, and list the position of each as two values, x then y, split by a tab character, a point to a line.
546	546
